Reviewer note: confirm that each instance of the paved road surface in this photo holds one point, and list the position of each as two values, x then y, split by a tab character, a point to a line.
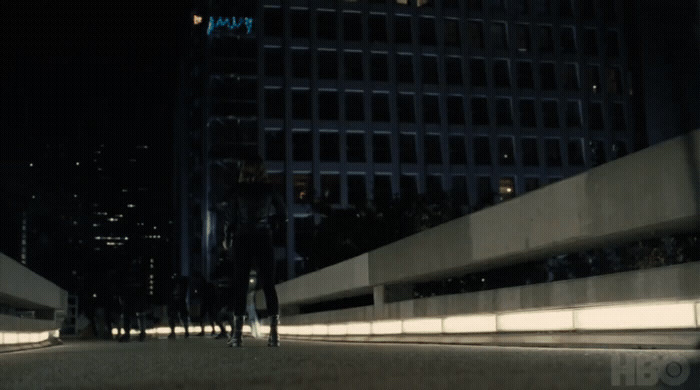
205	363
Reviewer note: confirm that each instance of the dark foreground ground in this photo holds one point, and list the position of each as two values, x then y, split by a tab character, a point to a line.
206	363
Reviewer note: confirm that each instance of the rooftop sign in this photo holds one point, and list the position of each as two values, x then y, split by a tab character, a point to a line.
232	24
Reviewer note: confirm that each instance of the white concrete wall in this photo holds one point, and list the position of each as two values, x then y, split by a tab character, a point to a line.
22	288
650	193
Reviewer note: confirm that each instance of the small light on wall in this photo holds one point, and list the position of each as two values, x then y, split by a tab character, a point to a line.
197	20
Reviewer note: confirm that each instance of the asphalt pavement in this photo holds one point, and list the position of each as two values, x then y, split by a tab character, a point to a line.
207	363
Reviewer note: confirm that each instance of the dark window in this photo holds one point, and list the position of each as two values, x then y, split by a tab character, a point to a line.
614	80
475	34
612	44
504	112
501	74
356	147
522	7
354	106
451	4
597	152
408	186
330	188
474	5
568	40
531	183
352	26
546	39
523	37
274	145
506	151
431	109
404	68
403	29
430	70
482	151
619	149
274	103
406	107
484	191
408	148
357	190
273	61
427	31
609	12
480	111
548	77
618	117
381	144
353	66
570	77
453	71
525	80
455	110
596	121
452	37
300	64
302	146
576	153
329	146
566	9
328	105
300	24
499	36
326	25
573	113
593	78
588	13
433	151
433	188
590	41
273	22
378	67
301	104
327	64
543	7
382	189
528	118
550	114
478	72
377	28
498	5
530	152
458	153
459	194
553	152
380	107
303	188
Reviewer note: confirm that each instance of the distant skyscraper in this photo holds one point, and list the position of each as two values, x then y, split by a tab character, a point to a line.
351	101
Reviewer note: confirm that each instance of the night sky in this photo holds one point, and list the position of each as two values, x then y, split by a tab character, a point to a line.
102	71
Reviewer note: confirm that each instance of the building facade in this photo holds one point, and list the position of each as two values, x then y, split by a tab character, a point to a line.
356	101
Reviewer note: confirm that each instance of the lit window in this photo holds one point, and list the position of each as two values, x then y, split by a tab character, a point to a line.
506	188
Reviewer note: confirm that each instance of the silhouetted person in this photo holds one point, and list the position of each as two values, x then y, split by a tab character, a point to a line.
250	227
209	306
177	308
133	300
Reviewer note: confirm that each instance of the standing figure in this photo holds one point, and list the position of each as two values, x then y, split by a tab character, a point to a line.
133	300
177	309
251	224
208	303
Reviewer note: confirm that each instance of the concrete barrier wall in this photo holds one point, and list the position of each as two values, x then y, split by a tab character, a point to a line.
650	193
672	283
23	289
16	324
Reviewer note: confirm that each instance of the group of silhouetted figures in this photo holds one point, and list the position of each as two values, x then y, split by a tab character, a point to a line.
254	213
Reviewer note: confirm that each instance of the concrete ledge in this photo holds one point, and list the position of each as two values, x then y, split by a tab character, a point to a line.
23	347
22	288
625	340
10	323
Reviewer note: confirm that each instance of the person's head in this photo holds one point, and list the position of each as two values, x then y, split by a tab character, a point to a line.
252	171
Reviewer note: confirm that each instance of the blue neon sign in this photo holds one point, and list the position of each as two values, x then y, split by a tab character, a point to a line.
232	24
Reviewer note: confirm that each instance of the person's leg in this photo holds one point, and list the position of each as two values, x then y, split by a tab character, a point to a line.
172	316
266	277
241	271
